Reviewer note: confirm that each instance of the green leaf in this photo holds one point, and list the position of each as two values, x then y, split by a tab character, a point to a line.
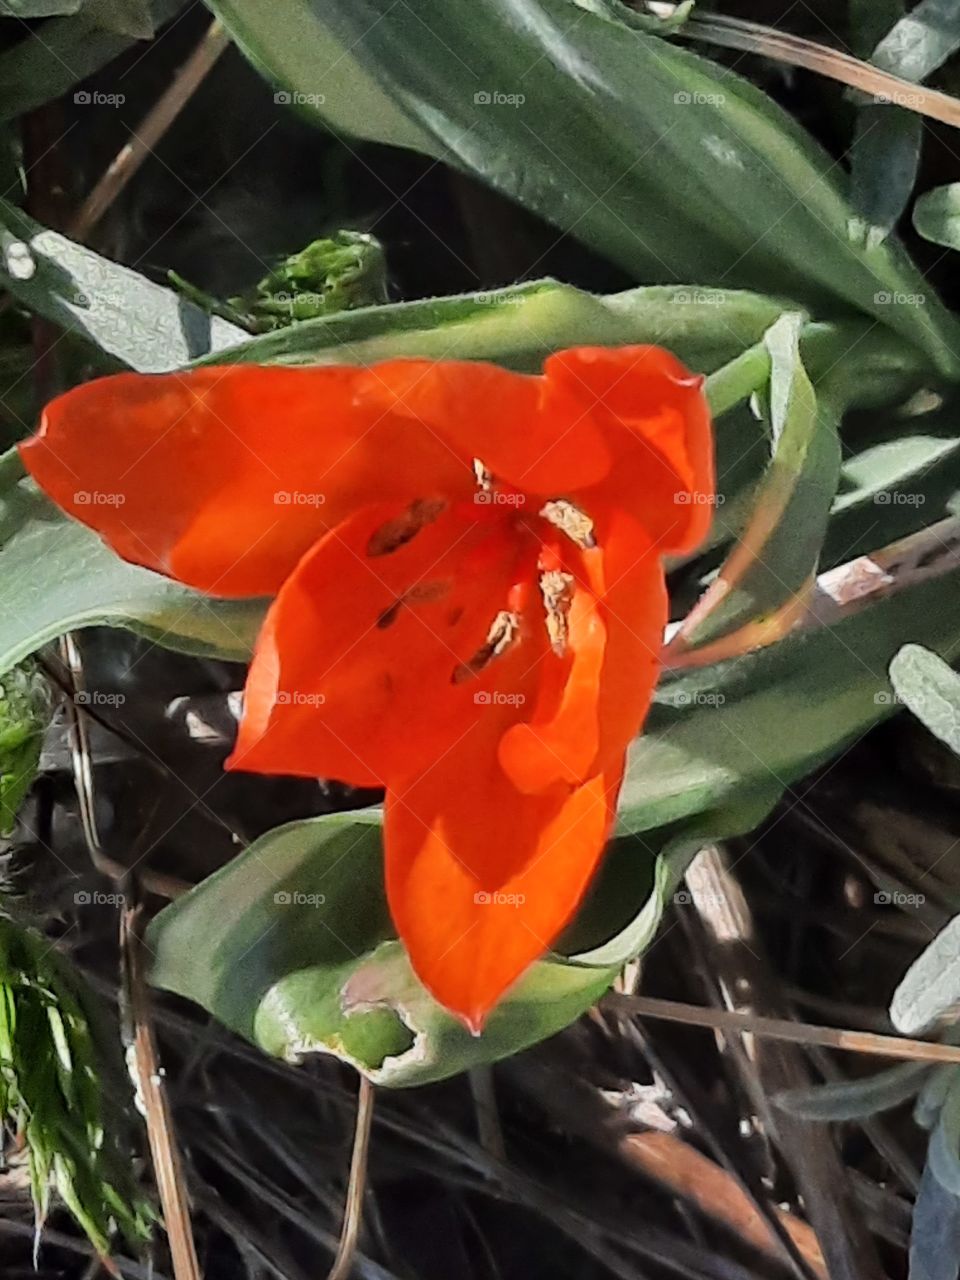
886	149
908	476
519	326
936	215
36	71
855	1099
777	553
931	986
58	576
884	162
24	716
716	732
931	689
127	317
649	151
291	945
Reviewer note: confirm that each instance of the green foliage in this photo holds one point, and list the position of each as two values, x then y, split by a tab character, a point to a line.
339	273
59	1078
24	713
641	149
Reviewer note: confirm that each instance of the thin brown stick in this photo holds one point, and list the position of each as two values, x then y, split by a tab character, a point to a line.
353	1210
148	1079
150	130
753	37
781	1029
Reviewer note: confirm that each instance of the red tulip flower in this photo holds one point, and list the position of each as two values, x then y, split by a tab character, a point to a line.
469	598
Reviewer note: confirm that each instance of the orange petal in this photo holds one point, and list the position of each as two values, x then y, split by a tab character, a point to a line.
362	668
625	573
559	743
223	477
481	878
516	424
656	423
616	624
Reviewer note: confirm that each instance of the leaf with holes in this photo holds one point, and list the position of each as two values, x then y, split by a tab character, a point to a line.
291	945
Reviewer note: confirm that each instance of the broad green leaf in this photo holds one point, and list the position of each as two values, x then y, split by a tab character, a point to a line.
896	484
777	553
884	162
931	986
856	1099
295	49
291	945
934	1231
716	732
127	317
936	215
56	575
36	71
647	156
931	689
519	326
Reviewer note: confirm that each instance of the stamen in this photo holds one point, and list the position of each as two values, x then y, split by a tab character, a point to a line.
396	533
556	588
483	476
503	631
570	520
